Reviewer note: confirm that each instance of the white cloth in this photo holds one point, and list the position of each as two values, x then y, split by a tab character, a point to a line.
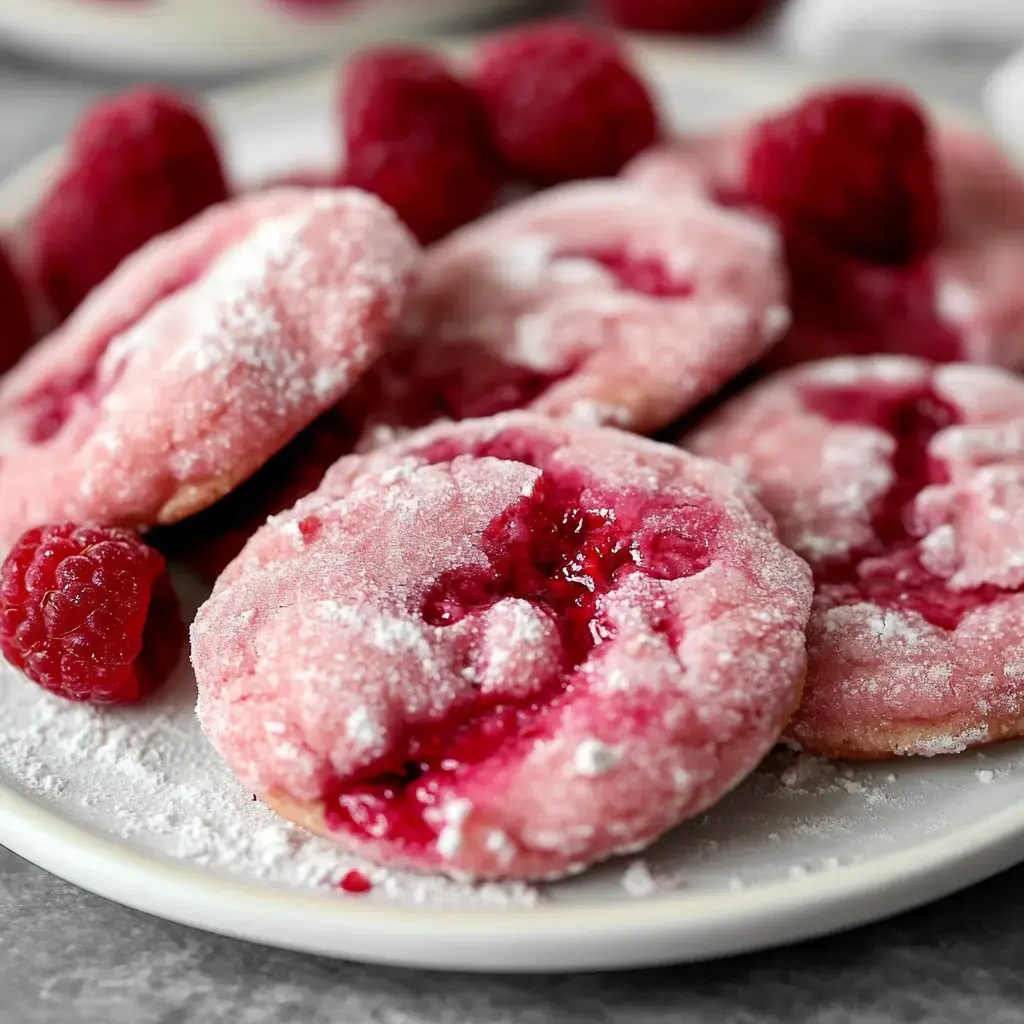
1004	104
826	30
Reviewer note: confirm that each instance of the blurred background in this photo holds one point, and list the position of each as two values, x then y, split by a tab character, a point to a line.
58	55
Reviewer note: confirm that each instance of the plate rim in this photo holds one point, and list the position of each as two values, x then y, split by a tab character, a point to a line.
72	45
758	917
669	929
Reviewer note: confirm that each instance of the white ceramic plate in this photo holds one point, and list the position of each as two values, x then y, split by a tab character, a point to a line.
221	36
133	804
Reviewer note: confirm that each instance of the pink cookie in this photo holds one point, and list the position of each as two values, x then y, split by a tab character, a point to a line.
902	484
199	358
963	302
504	648
593	302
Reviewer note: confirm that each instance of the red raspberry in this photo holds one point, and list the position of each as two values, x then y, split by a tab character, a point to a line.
689	17
564	102
89	613
16	332
854	168
416	137
139	164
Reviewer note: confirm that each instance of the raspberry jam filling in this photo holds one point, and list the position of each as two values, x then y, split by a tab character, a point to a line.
355	883
644	274
889	572
50	407
561	548
483	384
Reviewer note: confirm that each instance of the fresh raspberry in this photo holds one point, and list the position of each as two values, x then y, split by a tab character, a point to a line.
564	102
688	17
416	137
139	164
16	333
854	167
89	613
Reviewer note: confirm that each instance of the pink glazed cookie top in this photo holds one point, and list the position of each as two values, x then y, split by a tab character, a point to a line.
504	648
903	486
199	358
596	302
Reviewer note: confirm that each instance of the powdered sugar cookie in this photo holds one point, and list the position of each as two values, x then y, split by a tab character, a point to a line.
903	486
594	302
199	358
960	302
504	648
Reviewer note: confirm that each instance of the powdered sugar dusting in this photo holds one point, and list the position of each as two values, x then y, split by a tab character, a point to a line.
254	318
698	295
148	776
889	671
637	879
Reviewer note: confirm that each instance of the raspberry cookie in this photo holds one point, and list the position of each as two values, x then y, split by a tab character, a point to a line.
926	265
902	484
593	302
504	648
202	356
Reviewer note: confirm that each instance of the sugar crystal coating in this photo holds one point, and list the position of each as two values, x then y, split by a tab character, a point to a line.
901	483
504	648
594	302
199	358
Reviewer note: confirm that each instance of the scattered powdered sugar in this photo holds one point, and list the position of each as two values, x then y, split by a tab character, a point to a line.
637	879
804	774
147	775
